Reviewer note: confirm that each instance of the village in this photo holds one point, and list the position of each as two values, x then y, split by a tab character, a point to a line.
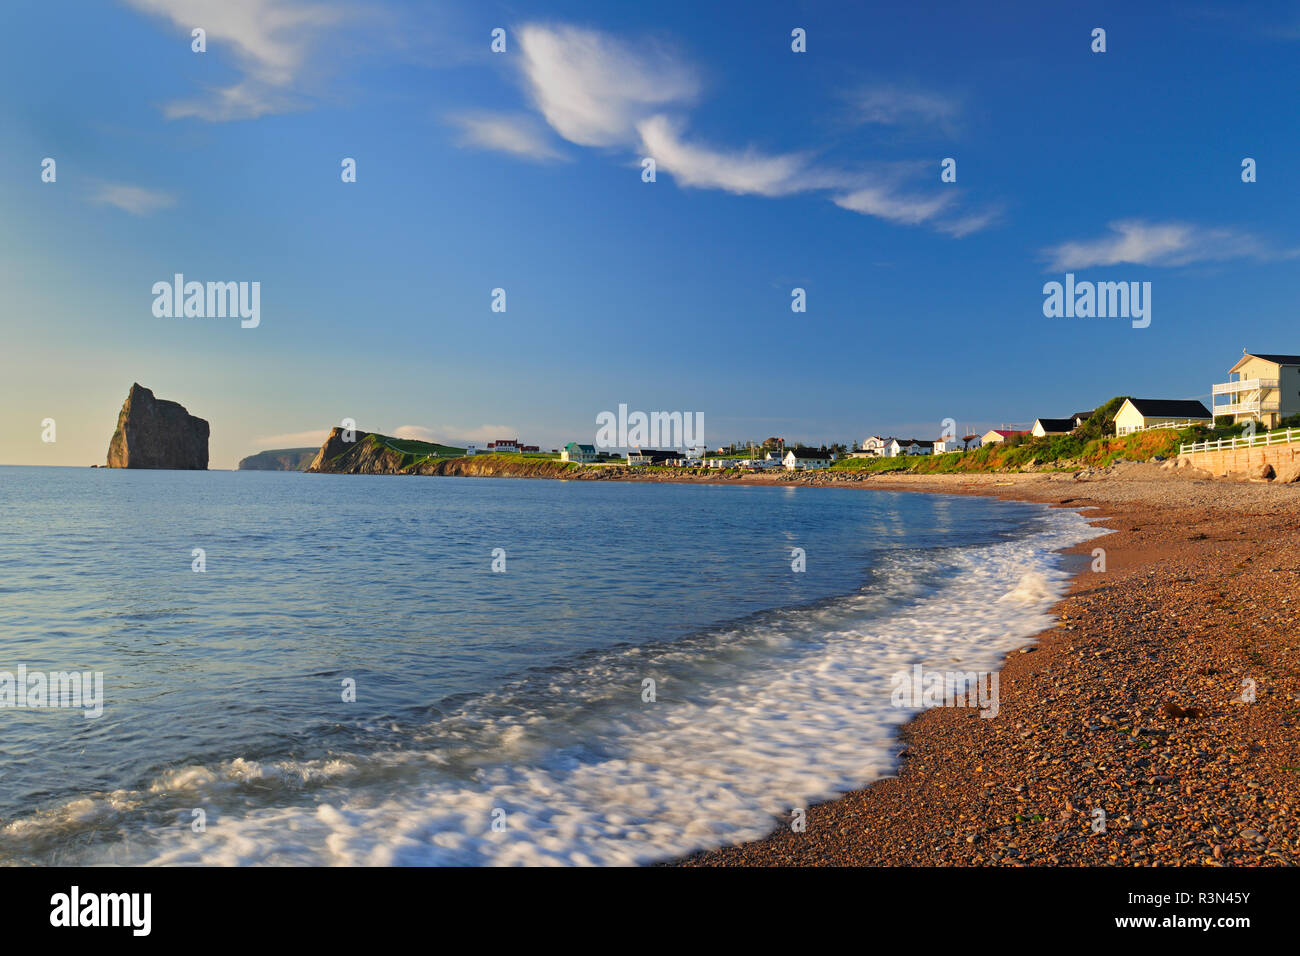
1262	393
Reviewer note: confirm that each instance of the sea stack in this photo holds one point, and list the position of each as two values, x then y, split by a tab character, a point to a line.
153	433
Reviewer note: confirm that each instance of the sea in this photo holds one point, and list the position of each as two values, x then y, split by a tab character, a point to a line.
411	671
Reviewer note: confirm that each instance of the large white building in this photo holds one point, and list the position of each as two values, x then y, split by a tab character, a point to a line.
1263	388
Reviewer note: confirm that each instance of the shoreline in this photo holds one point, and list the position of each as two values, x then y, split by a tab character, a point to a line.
1132	703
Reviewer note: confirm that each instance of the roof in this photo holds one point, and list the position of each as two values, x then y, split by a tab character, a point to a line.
655	453
1007	433
1084	415
810	453
588	449
1056	424
1276	359
1168	408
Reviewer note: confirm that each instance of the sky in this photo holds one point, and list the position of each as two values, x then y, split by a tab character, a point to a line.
523	170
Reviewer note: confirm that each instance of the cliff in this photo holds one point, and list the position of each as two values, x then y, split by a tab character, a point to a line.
154	433
281	459
375	454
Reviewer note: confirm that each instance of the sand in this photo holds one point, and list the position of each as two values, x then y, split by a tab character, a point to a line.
1139	704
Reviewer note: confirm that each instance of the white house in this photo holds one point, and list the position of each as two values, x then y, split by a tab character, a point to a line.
1052	426
800	458
995	435
503	446
472	449
946	445
1139	414
652	456
579	453
907	446
1264	387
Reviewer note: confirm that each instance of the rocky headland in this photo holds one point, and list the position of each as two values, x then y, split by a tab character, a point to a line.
279	459
154	433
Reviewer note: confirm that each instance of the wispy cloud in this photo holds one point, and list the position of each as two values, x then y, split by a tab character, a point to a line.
270	41
744	172
137	200
599	91
895	106
593	89
514	133
894	206
1160	244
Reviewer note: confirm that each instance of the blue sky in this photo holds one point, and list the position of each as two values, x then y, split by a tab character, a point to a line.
522	170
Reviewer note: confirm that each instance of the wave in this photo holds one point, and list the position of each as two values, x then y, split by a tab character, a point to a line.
583	765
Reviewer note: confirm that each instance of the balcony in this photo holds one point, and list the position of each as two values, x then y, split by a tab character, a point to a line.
1246	397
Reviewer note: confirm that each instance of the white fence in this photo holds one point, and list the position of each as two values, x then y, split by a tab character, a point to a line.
1176	426
1263	438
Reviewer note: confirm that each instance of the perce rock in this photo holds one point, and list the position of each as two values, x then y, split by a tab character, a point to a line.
153	433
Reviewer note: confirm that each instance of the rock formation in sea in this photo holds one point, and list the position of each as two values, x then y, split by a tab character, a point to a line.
154	433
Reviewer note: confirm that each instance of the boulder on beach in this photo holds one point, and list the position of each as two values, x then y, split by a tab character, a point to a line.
1286	474
155	433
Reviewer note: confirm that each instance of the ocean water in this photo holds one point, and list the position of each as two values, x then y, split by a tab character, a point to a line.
500	717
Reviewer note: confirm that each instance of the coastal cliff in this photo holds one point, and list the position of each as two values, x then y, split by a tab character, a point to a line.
373	454
155	433
279	459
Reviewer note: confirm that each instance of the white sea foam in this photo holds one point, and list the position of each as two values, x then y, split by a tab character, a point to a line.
777	713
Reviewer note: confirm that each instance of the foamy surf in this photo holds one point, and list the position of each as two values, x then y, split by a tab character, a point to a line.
573	767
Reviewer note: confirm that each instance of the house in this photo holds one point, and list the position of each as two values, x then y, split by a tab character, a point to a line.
723	462
806	458
1080	417
1052	426
995	435
652	456
945	445
875	445
579	453
530	449
472	449
1137	414
1263	388
503	446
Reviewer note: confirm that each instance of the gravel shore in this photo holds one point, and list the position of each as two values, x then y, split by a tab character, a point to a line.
1138	704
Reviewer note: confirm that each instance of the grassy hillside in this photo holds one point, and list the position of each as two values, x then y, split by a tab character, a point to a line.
1053	451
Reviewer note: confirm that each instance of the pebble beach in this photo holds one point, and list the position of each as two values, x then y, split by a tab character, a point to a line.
1167	698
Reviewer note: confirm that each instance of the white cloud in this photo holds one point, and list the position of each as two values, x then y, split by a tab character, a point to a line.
968	223
137	200
594	89
743	172
519	135
892	106
1158	244
270	40
886	203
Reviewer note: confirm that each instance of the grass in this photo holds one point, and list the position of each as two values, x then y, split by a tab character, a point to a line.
1052	452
